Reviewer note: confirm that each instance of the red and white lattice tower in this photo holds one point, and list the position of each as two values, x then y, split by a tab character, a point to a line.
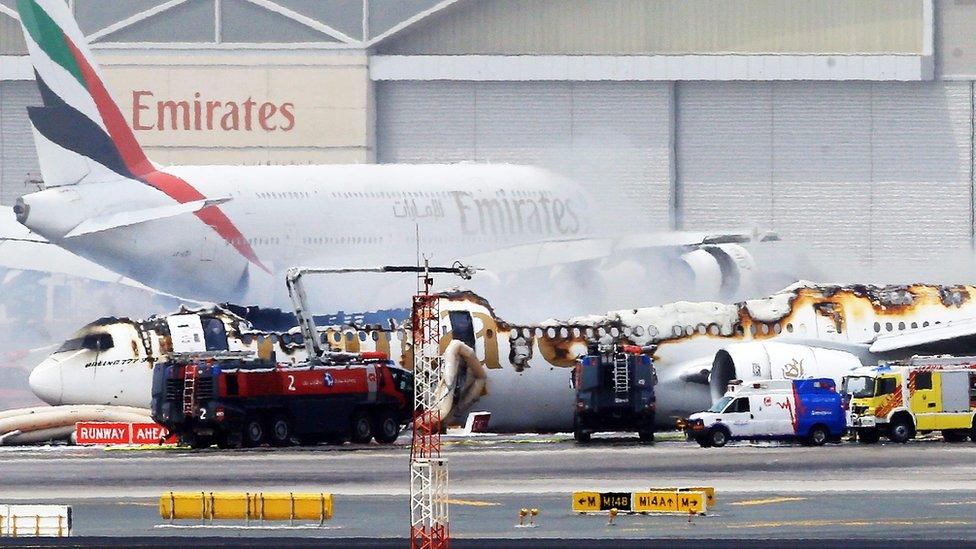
429	527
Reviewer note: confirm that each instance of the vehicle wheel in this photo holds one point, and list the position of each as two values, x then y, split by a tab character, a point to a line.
386	427
954	435
900	430
228	440
868	436
646	436
280	431
578	433
253	432
717	437
199	442
818	436
361	427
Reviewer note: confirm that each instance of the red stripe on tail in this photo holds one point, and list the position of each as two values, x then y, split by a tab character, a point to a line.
140	167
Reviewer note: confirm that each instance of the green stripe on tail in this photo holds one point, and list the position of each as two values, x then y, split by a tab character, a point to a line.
49	36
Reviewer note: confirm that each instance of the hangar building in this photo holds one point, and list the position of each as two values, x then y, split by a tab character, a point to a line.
838	124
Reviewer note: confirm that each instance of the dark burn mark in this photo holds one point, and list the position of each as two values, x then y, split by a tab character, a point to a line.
833	311
953	296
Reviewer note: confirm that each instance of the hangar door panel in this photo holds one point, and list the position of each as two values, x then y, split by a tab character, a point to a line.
879	170
612	137
17	155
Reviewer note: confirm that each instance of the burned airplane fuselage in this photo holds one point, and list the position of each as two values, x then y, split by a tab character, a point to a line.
806	330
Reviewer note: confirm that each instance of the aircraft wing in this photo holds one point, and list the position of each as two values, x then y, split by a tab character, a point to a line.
921	336
135	217
555	252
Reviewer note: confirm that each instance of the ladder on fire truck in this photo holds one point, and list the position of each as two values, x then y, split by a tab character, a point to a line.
189	387
621	378
429	521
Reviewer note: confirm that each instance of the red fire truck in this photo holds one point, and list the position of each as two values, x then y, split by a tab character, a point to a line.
235	400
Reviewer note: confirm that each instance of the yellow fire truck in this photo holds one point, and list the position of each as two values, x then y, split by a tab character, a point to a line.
922	394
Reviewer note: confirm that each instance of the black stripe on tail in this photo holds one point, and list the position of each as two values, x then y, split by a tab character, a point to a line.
71	129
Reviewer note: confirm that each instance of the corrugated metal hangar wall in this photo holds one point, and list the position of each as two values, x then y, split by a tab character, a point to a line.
877	169
612	136
17	156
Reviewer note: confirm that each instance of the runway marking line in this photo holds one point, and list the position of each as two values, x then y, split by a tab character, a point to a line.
827	522
973	502
245	527
472	503
767	501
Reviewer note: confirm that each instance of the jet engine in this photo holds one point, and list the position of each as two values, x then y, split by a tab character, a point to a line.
720	270
771	360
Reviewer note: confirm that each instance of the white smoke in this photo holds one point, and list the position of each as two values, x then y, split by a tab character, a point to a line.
39	311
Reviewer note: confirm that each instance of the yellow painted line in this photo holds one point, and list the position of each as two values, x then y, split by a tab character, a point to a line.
973	502
143	448
138	504
472	503
863	522
766	501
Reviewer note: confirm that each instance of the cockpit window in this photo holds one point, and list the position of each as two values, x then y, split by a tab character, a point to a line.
214	335
91	342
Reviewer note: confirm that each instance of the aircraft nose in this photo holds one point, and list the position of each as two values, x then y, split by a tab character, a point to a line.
45	381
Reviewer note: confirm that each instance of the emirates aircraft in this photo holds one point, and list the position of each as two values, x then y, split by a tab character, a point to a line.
521	372
230	232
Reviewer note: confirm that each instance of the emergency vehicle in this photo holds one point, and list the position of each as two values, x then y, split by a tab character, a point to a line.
614	391
923	394
234	400
808	410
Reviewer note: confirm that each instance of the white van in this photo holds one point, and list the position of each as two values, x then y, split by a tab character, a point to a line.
807	409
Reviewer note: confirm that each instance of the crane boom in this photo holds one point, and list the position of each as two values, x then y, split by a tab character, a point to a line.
299	297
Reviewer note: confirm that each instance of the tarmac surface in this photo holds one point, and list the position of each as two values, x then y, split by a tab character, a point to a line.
922	490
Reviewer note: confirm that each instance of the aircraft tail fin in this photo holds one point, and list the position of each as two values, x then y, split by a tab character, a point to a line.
80	132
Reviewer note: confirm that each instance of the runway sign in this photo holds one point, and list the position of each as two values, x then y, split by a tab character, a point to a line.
592	502
98	432
586	502
669	500
708	490
151	433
